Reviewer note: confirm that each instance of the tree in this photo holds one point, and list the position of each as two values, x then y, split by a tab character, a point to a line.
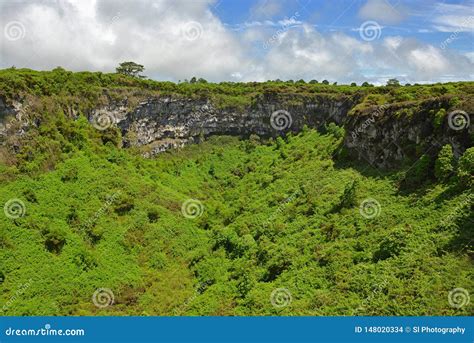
393	83
466	166
444	165
353	84
313	81
131	69
366	84
326	82
193	80
348	198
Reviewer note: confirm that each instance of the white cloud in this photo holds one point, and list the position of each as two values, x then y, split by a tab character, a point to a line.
470	55
100	35
180	39
382	11
420	61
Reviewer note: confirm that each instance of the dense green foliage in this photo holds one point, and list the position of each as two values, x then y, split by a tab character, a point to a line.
130	69
289	213
445	163
276	214
89	86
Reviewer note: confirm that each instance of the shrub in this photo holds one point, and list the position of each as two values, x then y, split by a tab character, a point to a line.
348	198
391	245
55	238
444	164
337	131
466	166
124	205
439	117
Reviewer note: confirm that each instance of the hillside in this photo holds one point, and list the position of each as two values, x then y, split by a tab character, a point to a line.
301	221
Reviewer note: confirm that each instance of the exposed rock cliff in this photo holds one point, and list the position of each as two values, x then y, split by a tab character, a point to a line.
167	122
385	135
382	135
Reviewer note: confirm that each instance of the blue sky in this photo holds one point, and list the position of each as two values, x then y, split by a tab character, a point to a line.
417	18
246	40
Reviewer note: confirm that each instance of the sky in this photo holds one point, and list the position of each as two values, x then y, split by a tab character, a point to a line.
341	41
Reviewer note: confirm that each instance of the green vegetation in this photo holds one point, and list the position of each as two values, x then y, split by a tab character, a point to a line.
445	163
90	87
82	213
275	215
130	69
466	167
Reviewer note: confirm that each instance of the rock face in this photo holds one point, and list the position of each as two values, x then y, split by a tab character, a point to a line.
379	135
383	135
12	120
167	122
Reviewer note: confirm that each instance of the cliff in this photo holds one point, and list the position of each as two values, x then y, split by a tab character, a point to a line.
383	125
381	135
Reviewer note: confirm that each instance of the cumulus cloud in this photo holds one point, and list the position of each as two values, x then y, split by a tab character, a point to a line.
382	11
180	39
306	53
173	39
420	61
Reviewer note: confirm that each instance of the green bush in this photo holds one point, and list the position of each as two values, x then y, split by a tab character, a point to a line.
444	165
466	166
439	117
